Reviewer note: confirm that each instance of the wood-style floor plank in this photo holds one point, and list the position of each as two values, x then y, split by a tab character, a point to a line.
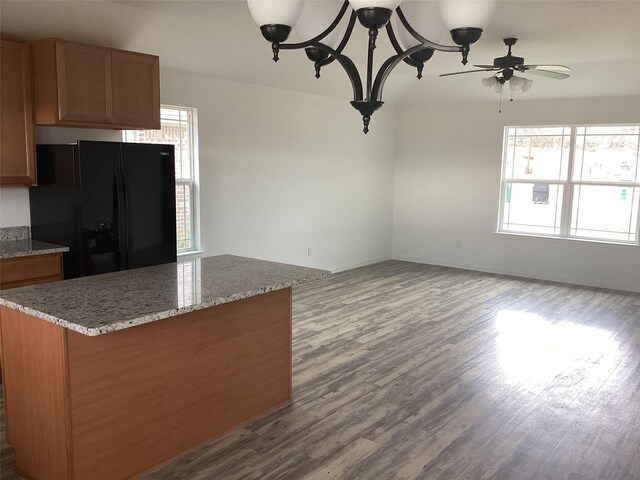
408	371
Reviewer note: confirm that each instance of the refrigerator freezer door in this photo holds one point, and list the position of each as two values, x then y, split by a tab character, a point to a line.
148	174
55	205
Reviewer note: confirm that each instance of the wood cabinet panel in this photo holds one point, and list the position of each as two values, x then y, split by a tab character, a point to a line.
35	391
21	271
136	89
166	387
17	158
90	86
84	83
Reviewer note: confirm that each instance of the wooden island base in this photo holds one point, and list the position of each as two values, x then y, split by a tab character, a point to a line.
119	405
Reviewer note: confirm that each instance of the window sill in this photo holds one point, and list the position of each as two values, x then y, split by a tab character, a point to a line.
585	241
190	255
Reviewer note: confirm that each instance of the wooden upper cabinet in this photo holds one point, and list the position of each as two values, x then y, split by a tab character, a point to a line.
83	74
136	89
89	86
17	159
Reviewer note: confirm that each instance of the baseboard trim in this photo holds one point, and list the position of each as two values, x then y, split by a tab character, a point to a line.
518	273
351	266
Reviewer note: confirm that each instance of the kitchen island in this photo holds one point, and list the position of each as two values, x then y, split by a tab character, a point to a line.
112	376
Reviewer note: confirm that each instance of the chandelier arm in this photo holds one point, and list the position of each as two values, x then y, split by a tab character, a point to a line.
343	42
396	46
425	42
387	67
373	34
330	28
346	63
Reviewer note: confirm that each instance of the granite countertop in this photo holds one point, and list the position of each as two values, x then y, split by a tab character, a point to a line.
28	246
115	301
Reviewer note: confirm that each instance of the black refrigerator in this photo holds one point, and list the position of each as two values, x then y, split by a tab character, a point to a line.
113	204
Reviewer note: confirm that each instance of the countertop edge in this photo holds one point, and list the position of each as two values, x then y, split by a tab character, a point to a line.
33	253
92	332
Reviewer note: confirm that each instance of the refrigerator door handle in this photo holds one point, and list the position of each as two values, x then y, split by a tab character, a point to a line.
121	215
128	214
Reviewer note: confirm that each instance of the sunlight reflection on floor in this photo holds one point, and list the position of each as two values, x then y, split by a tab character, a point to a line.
534	352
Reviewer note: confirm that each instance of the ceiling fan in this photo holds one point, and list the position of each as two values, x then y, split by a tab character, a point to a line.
506	66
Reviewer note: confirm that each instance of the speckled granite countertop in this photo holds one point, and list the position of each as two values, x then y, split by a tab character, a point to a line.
115	301
25	247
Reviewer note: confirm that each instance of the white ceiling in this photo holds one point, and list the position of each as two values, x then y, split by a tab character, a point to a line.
599	40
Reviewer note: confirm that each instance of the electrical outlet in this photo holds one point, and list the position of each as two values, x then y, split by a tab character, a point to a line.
309	252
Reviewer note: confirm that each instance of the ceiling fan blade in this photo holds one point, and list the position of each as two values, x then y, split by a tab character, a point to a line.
547	73
488	66
553	68
468	71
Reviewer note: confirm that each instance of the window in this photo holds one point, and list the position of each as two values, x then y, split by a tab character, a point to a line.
573	182
179	127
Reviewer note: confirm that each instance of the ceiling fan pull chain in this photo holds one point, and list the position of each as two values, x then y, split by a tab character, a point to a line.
500	104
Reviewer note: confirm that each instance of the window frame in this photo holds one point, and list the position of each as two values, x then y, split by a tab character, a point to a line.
568	185
194	181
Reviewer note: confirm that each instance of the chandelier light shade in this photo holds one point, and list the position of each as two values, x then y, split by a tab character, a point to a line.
466	13
275	12
321	32
425	18
315	17
386	4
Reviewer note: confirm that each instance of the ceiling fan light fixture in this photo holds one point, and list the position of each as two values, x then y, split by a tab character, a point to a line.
489	81
516	83
504	68
497	88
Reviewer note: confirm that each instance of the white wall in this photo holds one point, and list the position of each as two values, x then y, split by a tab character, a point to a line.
283	171
14	207
447	181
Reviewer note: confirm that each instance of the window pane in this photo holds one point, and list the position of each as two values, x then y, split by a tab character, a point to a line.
532	208
607	157
175	130
170	114
537	154
608	213
611	130
183	151
183	216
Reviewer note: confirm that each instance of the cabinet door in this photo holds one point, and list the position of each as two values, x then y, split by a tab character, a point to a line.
136	89
30	270
84	83
17	164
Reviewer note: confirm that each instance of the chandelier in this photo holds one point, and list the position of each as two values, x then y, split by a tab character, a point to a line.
324	43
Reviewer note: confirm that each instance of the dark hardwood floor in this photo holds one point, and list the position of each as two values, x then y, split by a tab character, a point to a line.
408	371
